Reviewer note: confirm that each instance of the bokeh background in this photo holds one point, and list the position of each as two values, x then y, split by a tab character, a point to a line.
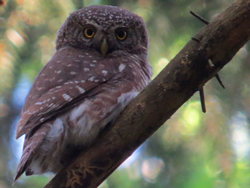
191	150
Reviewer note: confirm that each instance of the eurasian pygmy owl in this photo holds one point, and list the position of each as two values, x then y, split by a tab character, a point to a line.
100	64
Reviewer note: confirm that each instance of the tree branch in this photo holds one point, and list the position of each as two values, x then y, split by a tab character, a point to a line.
184	75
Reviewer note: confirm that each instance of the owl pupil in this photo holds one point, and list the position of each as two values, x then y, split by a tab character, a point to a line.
90	32
120	34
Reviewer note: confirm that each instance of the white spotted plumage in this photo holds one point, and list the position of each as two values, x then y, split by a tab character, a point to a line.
84	86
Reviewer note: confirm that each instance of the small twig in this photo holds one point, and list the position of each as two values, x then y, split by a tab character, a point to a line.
201	90
219	80
217	75
202	97
195	39
200	18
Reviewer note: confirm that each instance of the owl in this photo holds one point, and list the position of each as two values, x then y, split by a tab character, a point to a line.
99	66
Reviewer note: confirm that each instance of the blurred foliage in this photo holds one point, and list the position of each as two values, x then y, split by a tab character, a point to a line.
191	150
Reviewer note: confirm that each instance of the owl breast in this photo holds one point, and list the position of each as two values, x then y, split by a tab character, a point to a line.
76	130
91	116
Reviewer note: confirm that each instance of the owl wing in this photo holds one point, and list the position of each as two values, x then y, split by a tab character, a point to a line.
70	76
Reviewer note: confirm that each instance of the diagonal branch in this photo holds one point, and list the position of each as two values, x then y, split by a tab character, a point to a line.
184	75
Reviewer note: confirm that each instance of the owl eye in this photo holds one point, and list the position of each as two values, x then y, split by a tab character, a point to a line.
121	34
89	32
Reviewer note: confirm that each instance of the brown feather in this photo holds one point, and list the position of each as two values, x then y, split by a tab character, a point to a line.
30	145
47	102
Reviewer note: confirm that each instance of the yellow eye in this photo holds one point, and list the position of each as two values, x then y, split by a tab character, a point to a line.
89	33
121	34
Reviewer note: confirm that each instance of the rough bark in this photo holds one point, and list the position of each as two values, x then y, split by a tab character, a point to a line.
185	74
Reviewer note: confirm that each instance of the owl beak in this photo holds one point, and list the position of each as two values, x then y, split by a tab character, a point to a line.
104	47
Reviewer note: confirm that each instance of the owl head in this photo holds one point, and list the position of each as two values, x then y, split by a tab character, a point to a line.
104	29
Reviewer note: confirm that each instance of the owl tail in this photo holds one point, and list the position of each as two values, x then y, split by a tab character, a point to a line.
32	142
